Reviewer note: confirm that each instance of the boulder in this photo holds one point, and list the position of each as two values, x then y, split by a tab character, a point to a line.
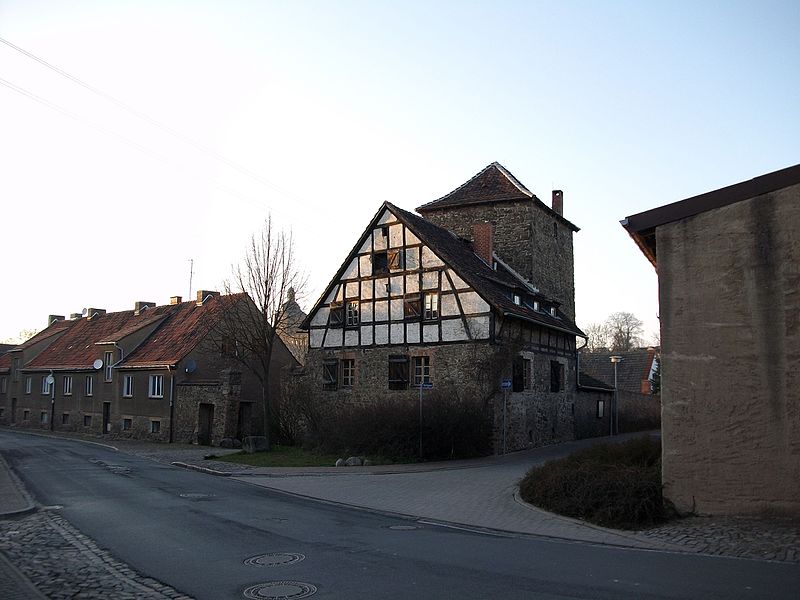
339	462
226	443
237	443
254	443
354	461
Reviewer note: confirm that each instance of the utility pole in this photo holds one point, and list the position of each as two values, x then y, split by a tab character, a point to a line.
191	272
614	416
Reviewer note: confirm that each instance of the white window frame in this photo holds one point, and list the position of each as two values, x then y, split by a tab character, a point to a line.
67	386
155	389
352	310
88	386
28	384
108	358
45	386
44	418
430	309
422	370
127	386
348	372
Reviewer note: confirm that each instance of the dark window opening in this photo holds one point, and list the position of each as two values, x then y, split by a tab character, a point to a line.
348	372
398	372
380	262
330	375
556	376
352	314
521	374
126	424
411	308
336	318
431	307
65	419
395	260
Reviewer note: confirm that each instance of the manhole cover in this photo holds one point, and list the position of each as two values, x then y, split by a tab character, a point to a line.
280	590
195	496
274	559
403	527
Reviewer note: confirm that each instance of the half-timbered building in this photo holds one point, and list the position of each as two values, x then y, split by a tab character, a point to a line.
416	304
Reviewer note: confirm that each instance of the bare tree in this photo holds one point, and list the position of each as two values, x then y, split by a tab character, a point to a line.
22	337
625	331
598	337
249	330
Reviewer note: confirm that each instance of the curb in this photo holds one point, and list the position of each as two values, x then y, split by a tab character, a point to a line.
200	469
19	488
60	437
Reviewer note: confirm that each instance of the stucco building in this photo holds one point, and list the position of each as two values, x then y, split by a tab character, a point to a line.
150	373
476	291
728	264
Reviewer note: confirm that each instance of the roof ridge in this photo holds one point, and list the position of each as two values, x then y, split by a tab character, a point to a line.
501	169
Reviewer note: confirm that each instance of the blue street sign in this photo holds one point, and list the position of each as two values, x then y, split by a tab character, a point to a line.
506	385
427	386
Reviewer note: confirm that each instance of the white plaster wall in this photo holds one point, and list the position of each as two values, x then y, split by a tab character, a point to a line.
366	336
411	238
430	333
316	337
381	310
412	257
430	279
397	333
412	284
453	330
395	236
334	338
386	217
378	239
397	310
479	327
380	287
412	333
447	305
429	259
471	302
332	294
366	312
381	334
366	247
366	290
352	289
459	283
351	338
321	316
352	270
365	263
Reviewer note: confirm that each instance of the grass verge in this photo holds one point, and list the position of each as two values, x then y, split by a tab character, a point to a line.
281	456
614	485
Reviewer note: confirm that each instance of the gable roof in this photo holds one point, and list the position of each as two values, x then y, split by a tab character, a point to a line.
642	226
493	184
634	368
493	286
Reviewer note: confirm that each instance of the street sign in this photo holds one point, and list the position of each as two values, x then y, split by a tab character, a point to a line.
427	386
506	384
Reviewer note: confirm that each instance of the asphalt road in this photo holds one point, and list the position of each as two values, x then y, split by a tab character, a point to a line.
195	532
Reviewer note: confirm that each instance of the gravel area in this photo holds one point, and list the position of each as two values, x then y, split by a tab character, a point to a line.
765	538
63	563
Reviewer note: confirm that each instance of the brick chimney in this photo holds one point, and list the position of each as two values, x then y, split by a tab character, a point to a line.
202	295
53	318
483	241
91	313
175	300
558	202
140	307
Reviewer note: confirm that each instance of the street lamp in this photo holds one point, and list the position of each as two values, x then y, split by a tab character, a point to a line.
614	417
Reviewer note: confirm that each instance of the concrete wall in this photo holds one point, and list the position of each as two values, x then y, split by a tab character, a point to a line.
729	295
533	242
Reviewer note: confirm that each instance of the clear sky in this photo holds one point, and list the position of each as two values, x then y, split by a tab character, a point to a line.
326	109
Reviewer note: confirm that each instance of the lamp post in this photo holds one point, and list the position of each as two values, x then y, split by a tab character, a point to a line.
614	416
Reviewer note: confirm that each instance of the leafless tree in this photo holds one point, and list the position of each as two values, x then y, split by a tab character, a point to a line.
598	336
248	333
22	337
625	331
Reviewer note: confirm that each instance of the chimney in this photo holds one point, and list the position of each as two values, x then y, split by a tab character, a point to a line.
558	202
202	296
93	312
175	300
140	307
75	316
483	242
53	318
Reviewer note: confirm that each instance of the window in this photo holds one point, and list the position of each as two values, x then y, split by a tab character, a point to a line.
43	418
521	374
348	372
26	414
352	314
89	385
87	420
516	298
535	305
3	385
330	374
556	376
422	370
45	385
553	312
411	308
431	307
65	419
156	386
398	372
380	262
108	357
127	386
601	409
28	384
68	385
336	317
126	424
155	426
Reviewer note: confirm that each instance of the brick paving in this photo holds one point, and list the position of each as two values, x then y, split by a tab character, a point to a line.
50	554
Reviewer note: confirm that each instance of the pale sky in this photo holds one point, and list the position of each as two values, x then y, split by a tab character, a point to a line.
326	109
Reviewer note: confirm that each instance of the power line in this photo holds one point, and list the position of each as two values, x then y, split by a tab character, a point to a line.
230	163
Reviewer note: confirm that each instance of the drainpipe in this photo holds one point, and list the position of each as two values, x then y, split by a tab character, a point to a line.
171	405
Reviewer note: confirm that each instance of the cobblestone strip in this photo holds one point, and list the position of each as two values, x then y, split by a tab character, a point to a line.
63	563
762	538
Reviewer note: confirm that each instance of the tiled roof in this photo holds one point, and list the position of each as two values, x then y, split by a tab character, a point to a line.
494	183
5	362
496	287
181	328
589	381
631	370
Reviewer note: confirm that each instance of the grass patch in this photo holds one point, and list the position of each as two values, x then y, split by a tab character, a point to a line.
614	485
281	456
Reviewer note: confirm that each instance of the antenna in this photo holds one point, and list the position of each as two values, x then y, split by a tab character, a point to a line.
191	272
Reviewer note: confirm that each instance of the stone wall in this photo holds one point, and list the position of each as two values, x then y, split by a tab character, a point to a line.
638	412
528	238
729	291
589	425
223	396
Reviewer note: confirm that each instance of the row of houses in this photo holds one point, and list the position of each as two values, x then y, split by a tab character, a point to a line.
479	282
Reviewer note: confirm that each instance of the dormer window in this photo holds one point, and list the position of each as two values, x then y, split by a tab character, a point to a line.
517	299
552	311
536	305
